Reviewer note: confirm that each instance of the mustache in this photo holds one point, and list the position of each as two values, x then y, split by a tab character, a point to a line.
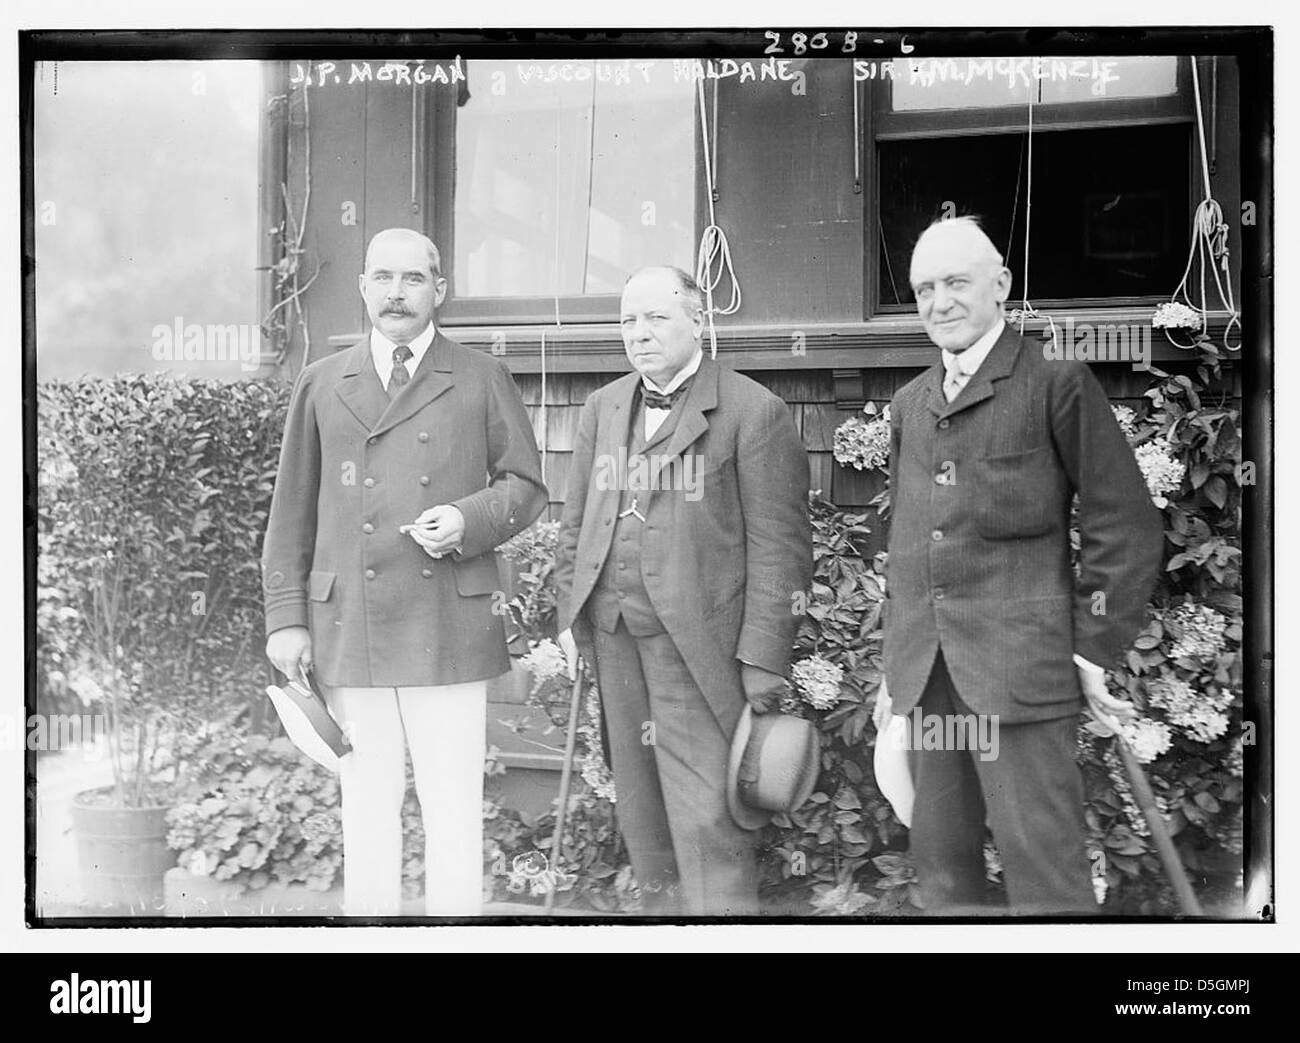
396	309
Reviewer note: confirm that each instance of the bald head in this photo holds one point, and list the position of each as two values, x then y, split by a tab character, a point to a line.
680	284
410	237
960	282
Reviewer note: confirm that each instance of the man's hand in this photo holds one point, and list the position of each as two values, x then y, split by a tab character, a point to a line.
439	530
1105	707
570	649
763	690
884	707
289	650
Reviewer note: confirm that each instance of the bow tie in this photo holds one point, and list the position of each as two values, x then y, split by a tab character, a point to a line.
657	400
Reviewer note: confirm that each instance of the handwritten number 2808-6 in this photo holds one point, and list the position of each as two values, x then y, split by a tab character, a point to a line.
801	43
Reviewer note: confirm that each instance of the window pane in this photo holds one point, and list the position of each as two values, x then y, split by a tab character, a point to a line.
1111	214
978	83
566	186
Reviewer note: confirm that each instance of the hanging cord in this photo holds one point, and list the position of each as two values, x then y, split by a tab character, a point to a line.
713	262
857	135
1026	310
555	286
1209	244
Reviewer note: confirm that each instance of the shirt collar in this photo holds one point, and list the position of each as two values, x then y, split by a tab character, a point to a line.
381	348
969	361
683	375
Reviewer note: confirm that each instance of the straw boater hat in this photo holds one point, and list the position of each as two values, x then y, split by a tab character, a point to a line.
308	723
773	766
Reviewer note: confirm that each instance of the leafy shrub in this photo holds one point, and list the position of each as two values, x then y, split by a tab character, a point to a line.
152	497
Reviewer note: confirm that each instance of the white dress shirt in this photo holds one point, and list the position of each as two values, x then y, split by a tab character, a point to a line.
654	418
381	351
967	363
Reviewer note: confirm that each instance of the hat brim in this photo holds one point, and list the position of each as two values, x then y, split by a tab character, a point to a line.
893	772
743	815
309	725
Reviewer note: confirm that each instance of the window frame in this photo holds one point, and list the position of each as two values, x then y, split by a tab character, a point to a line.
440	204
880	124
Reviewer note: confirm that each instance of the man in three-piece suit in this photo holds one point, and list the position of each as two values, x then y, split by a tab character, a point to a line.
407	459
985	615
685	540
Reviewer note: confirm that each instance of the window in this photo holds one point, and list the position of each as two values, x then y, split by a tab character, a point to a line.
1111	170
563	179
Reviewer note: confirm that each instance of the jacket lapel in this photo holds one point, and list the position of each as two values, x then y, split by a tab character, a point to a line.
432	377
997	365
360	389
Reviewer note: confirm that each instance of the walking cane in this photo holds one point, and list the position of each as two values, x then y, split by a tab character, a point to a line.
1146	801
566	776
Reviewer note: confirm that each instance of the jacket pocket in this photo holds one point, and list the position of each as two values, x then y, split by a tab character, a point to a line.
1018	494
478	575
319	585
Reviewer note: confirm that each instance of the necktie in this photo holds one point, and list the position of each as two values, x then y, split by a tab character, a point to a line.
955	380
400	376
656	400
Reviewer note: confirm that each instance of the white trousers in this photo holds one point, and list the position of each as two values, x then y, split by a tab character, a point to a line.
445	728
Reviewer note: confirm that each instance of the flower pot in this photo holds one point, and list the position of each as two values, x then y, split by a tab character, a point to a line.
122	853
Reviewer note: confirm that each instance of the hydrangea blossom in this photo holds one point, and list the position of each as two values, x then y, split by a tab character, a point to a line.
1162	470
841	900
545	660
1174	315
1199	717
1199	631
1126	417
863	444
1148	739
818	681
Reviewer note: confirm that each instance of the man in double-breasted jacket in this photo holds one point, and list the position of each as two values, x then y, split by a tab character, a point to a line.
985	616
684	546
407	459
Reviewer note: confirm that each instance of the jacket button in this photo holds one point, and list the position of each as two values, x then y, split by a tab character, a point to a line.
938	593
424	479
370	573
940	479
936	535
367	528
945	423
369	483
423	436
373	439
426	573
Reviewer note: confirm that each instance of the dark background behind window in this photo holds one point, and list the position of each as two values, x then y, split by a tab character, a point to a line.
1109	207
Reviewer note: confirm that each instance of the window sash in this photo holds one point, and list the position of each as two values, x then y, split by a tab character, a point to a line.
524	310
881	124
